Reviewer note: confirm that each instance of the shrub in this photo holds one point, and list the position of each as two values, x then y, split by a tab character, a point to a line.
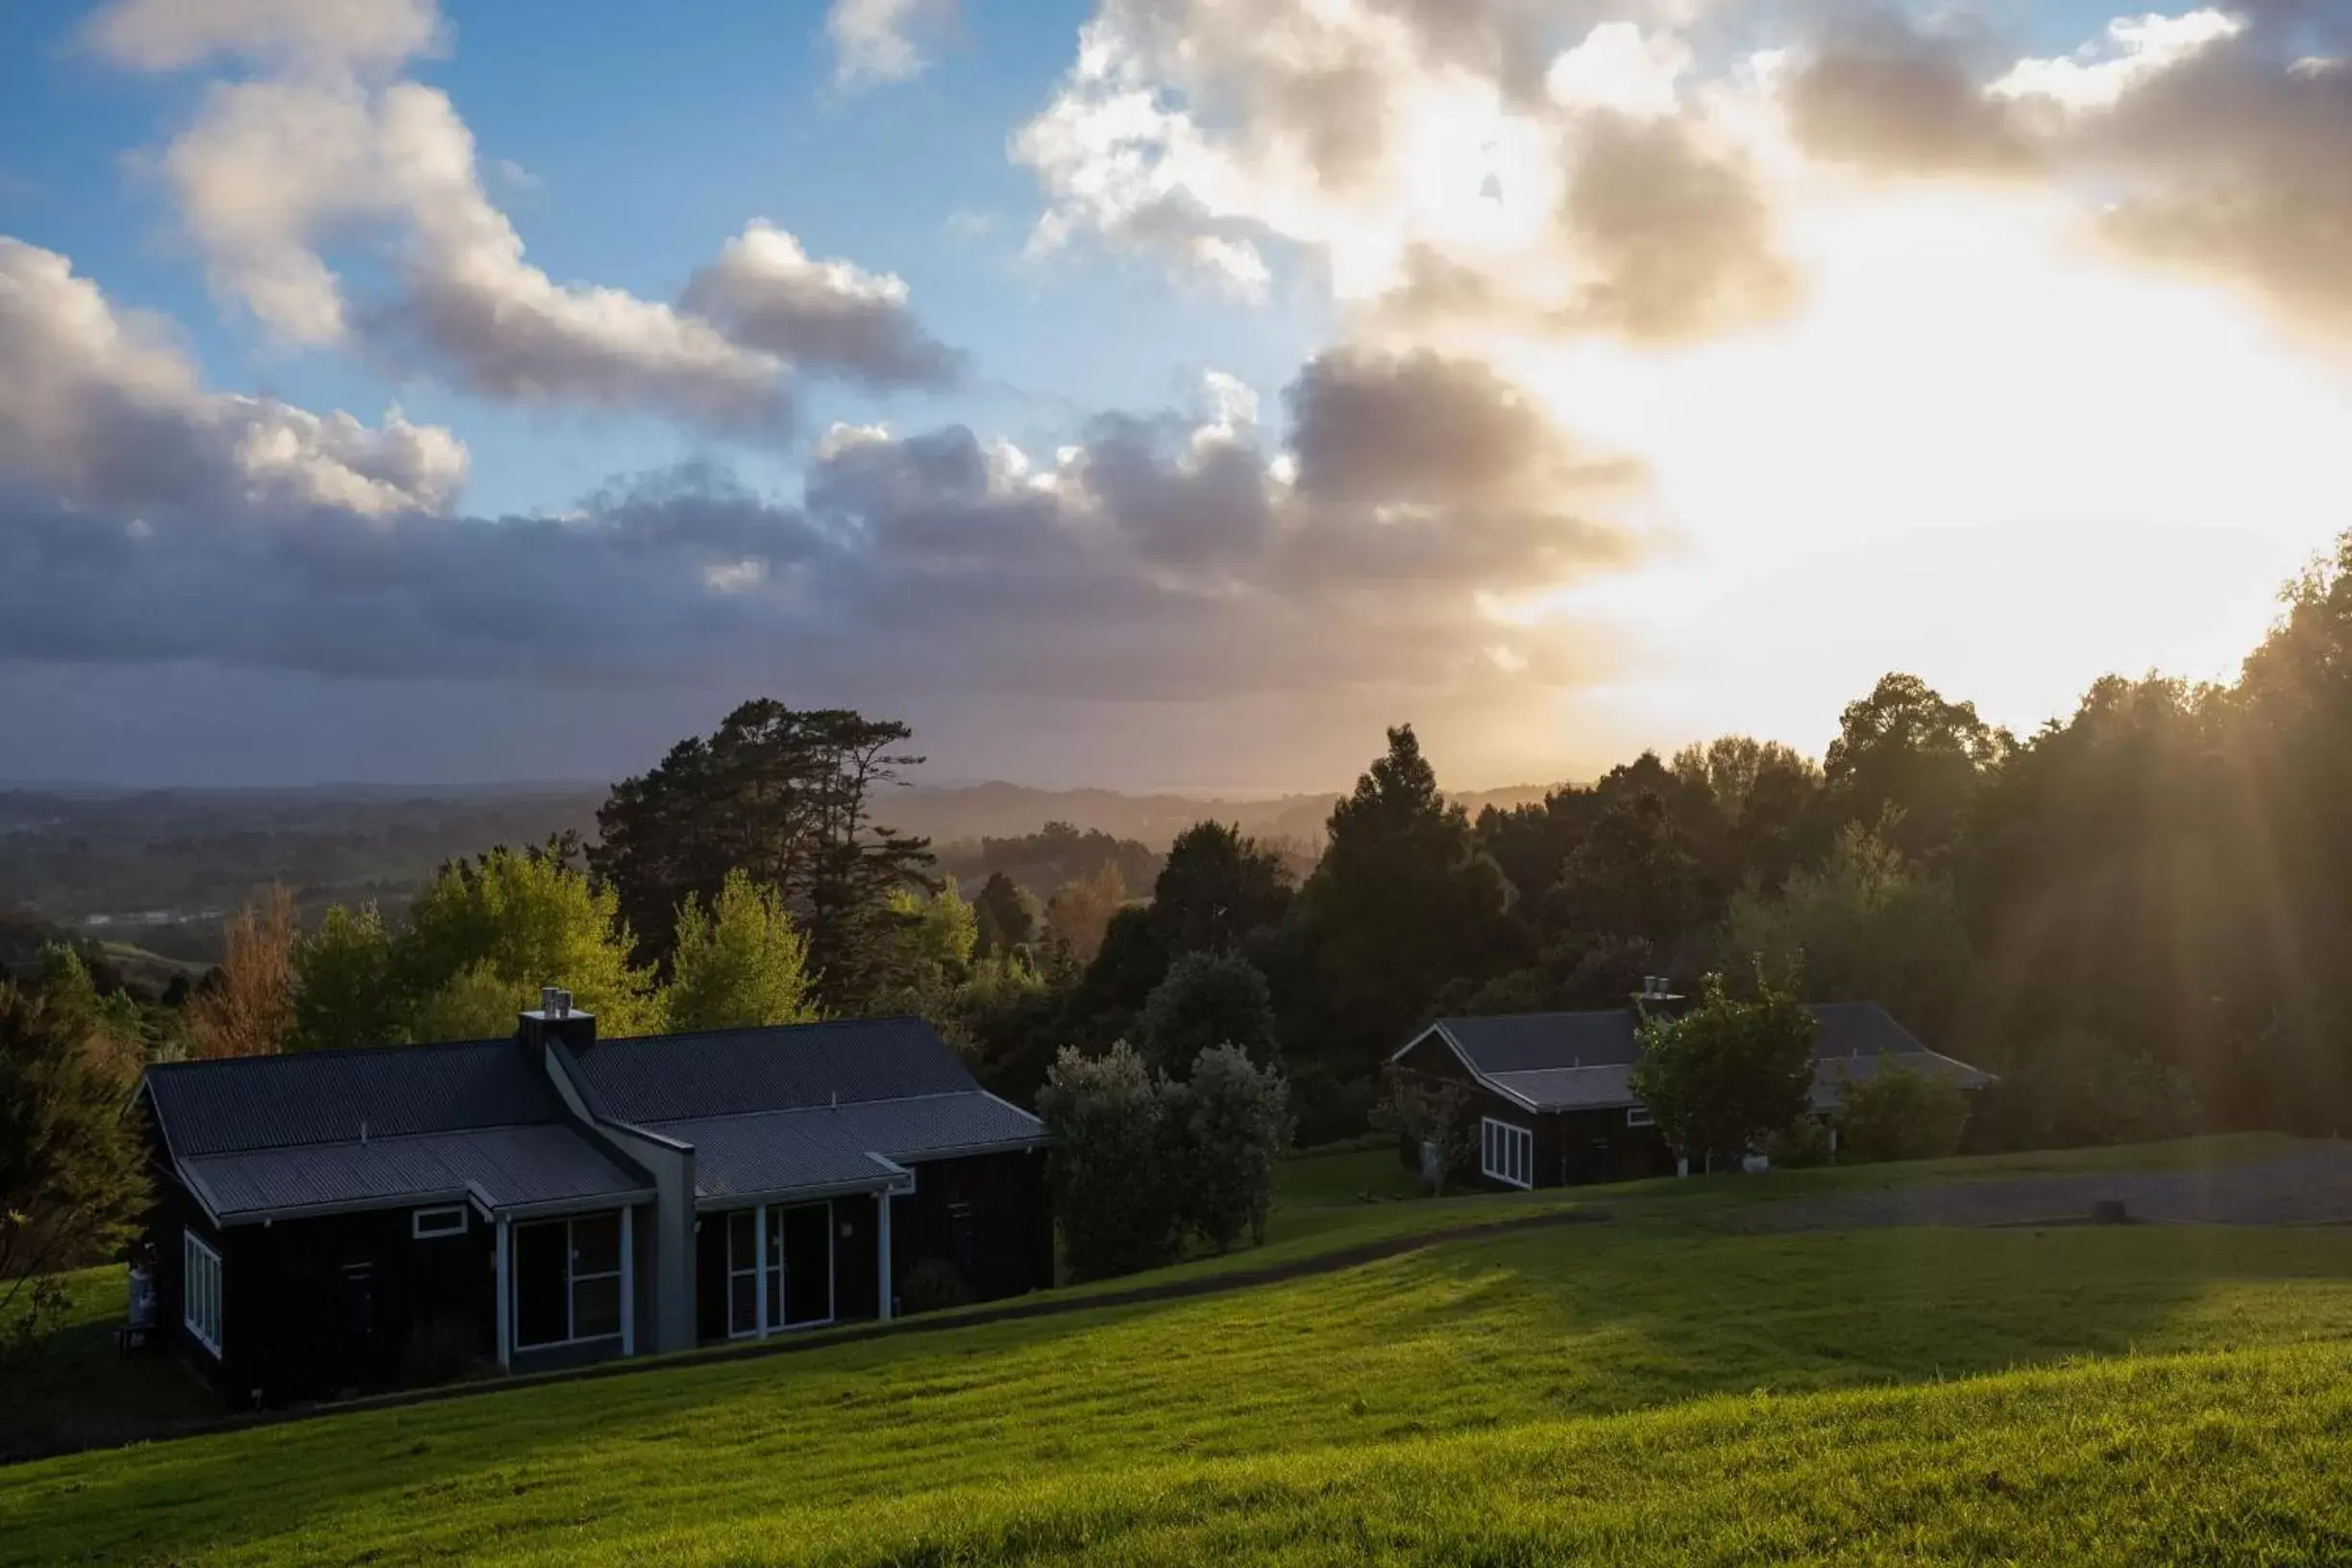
1902	1114
1207	999
1729	1073
1800	1146
1118	1208
932	1285
1226	1126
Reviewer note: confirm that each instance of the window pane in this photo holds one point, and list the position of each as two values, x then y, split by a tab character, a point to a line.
743	1303
596	1307
808	1261
540	1284
596	1245
740	1231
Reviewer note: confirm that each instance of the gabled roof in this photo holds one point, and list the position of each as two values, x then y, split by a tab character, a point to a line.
798	1108
272	1102
393	1126
1583	1061
729	1072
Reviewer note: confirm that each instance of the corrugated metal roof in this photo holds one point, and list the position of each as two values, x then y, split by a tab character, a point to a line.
1580	1060
777	1151
271	1102
1533	1042
1570	1089
730	1072
510	1166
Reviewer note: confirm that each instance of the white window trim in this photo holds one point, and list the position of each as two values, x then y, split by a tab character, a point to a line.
1638	1116
1506	1152
767	1232
424	1224
572	1282
199	1291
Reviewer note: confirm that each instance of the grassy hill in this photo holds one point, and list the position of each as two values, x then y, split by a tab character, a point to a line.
1659	1388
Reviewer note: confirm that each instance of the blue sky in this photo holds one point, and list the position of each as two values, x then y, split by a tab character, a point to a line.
1535	371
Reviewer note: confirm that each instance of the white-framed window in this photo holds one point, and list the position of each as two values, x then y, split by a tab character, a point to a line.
1638	1116
200	1290
1506	1153
426	1224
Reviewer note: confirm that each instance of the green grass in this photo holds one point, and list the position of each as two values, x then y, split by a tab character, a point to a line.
80	1382
1651	1390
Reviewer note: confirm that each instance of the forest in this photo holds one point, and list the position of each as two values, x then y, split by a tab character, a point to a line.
2135	914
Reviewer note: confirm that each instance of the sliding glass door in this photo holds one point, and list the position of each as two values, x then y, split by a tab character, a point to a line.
789	1274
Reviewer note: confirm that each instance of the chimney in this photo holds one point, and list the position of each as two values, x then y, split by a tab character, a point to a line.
1658	996
556	1018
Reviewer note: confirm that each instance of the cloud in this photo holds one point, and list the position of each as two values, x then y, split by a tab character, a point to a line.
1159	556
765	292
274	170
101	411
2211	140
1540	166
306	34
883	41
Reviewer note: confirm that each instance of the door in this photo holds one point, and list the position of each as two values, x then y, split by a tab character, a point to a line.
804	1238
356	1308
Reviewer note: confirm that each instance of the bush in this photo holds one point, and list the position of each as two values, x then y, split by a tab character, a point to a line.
1108	1162
932	1285
1226	1126
1207	999
1801	1145
1902	1114
2077	1089
439	1351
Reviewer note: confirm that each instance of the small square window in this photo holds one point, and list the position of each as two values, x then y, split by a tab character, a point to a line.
427	1223
1638	1116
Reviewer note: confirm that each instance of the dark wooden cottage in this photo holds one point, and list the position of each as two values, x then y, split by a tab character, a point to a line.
363	1219
1552	1096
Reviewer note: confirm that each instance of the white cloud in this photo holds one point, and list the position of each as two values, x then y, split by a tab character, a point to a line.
273	171
2137	48
102	410
882	40
304	34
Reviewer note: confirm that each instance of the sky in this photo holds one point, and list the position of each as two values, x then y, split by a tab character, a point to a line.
1143	393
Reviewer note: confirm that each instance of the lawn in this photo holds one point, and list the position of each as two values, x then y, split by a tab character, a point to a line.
1651	1389
81	1386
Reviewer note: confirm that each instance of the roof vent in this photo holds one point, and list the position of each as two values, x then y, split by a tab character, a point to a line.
554	1001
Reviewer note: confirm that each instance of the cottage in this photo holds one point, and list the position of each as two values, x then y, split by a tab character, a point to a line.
1552	1095
359	1219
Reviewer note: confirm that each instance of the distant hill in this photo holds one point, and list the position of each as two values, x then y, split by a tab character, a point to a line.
158	867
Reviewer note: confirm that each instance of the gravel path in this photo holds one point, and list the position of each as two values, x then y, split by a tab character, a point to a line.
2311	1188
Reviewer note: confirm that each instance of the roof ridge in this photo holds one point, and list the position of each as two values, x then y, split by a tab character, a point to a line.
393	1049
843	1105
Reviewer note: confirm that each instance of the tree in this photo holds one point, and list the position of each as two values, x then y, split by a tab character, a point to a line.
1904	750
1228	1122
1901	1113
1108	1162
1207	999
486	934
1427	1113
344	993
1079	915
1865	927
1401	903
1637	873
739	964
1728	1074
1008	915
248	1009
72	1174
789	797
2077	1089
1217	887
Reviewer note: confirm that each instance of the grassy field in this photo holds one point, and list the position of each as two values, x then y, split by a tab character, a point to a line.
1651	1390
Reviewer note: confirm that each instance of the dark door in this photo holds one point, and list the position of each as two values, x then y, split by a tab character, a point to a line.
357	1315
808	1261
